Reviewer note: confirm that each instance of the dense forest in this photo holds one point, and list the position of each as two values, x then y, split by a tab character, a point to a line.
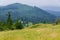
19	24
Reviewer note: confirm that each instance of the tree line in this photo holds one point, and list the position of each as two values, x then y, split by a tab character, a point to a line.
10	25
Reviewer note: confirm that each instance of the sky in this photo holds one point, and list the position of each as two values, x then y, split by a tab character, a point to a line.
38	3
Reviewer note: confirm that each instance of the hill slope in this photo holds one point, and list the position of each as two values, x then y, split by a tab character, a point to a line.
49	33
26	13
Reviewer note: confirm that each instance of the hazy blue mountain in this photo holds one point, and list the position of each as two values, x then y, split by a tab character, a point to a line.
26	13
57	13
53	10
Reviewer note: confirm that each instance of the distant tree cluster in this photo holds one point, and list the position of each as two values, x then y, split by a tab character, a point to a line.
9	25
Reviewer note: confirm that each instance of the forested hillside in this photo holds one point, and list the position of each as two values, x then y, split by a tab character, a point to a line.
26	13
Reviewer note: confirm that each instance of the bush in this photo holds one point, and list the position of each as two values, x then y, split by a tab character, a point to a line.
19	25
58	21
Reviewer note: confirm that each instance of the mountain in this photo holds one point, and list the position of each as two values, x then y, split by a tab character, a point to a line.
53	10
57	13
26	13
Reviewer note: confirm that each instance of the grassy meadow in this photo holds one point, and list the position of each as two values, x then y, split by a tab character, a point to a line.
42	32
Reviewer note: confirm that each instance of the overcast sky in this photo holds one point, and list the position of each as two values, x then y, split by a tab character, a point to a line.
32	2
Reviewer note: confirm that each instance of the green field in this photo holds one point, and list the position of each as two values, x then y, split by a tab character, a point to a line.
42	32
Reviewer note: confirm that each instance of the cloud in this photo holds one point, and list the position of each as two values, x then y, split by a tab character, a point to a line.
32	2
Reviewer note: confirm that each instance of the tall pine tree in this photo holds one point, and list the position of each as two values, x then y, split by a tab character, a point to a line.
9	21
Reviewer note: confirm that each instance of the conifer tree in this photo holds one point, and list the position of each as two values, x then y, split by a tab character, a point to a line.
9	21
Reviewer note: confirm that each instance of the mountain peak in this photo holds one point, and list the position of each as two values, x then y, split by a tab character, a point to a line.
16	4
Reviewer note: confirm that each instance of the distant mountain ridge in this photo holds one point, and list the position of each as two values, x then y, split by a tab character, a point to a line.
57	13
26	13
53	10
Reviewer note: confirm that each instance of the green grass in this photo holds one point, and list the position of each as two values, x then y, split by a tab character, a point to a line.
42	32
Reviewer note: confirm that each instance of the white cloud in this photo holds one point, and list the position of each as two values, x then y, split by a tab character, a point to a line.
32	2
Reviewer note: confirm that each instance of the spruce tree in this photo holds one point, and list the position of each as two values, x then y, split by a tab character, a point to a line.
9	21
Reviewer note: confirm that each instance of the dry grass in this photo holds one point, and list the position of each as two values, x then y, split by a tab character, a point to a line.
42	33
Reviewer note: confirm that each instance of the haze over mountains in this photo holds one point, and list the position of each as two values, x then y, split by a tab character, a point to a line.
57	13
53	10
26	13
